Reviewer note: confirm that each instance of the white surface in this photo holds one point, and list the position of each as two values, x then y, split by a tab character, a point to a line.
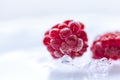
23	56
10	9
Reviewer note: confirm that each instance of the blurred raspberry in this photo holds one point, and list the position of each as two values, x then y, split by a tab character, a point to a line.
107	45
68	38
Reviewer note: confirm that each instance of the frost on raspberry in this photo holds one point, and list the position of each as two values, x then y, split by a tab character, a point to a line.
67	38
107	45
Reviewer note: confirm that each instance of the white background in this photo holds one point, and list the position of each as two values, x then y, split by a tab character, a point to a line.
10	9
23	23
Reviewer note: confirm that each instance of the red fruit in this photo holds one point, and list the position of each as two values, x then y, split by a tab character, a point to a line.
79	45
98	50
71	40
68	38
55	43
82	34
112	52
50	49
84	47
54	33
117	42
67	21
107	46
65	49
65	32
76	54
74	27
46	33
56	54
81	25
46	40
61	26
55	26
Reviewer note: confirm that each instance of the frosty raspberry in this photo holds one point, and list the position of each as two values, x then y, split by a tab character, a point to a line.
67	38
107	45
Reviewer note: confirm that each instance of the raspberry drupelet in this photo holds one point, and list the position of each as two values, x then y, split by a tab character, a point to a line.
107	45
67	38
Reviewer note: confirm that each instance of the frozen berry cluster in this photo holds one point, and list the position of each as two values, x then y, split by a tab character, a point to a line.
67	38
107	45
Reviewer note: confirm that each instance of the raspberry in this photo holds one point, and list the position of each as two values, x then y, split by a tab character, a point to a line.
67	38
47	33
65	49
65	32
55	26
71	40
54	33
83	35
67	21
81	25
74	26
46	40
50	49
61	26
107	45
55	43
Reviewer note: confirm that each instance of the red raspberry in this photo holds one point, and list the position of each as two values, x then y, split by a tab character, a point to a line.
55	43
46	40
47	32
67	21
54	33
61	26
83	35
55	26
107	45
74	26
68	38
65	32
